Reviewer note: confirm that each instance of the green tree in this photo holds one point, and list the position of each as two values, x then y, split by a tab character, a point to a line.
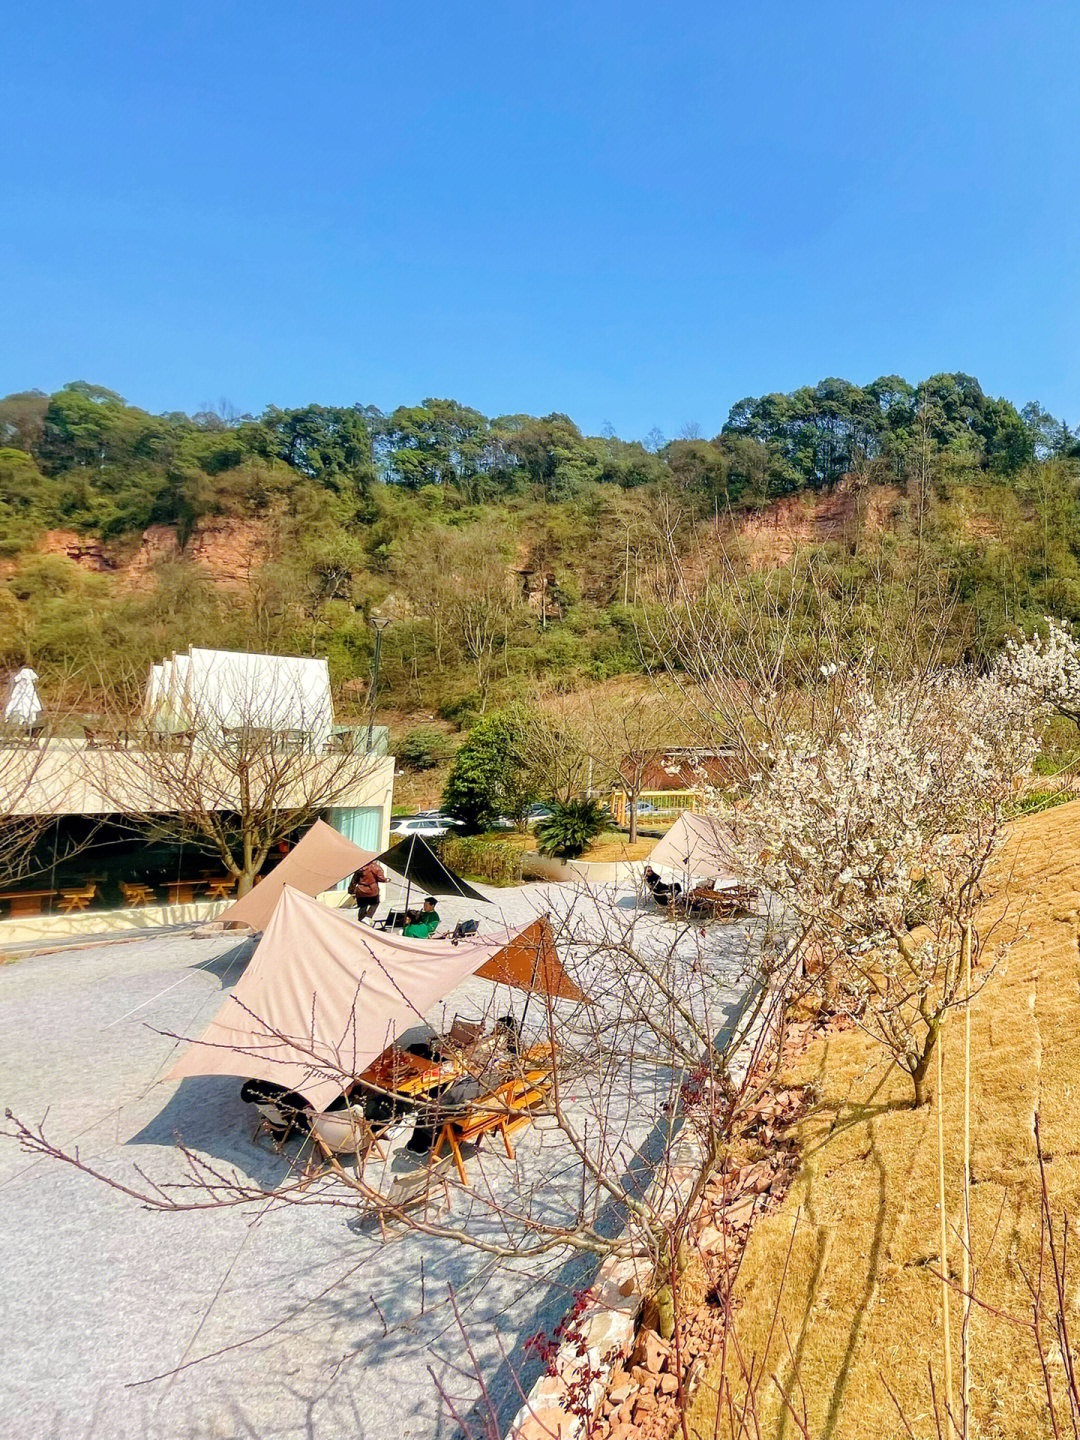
486	778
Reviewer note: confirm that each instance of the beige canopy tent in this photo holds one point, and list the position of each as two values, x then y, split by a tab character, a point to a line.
699	845
316	863
322	997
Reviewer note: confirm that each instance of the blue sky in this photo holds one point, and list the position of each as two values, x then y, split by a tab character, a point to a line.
635	213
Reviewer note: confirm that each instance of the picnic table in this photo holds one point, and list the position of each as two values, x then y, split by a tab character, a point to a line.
136	893
507	1107
77	897
220	888
27	902
400	1073
181	892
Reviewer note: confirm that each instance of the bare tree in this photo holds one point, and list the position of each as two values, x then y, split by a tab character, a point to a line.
627	734
459	586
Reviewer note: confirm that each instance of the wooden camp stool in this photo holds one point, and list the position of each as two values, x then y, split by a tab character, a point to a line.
77	898
136	893
507	1108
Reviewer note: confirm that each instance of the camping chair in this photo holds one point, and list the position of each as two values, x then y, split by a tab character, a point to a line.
464	928
410	1191
346	1132
279	1110
505	1109
463	1034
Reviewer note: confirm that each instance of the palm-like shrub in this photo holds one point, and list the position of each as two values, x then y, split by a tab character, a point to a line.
567	831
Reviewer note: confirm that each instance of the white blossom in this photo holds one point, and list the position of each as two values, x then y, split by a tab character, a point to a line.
1045	669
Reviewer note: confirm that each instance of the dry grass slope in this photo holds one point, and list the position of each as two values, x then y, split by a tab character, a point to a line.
861	1303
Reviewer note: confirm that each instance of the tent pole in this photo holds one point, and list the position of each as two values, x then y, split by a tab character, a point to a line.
532	982
408	868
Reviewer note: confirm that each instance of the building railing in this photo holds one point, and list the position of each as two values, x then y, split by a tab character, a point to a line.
661	803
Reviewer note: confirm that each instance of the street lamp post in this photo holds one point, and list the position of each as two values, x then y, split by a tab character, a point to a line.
380	625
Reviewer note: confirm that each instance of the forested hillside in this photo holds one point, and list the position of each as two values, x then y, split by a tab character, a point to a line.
513	550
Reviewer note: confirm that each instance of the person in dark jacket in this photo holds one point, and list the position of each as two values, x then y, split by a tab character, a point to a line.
660	890
364	887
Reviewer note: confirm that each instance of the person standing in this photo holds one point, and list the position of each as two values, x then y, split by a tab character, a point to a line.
364	887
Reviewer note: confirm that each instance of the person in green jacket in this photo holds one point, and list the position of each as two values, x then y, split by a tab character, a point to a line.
424	925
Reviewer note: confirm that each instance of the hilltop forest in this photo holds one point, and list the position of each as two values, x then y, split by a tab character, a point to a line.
513	551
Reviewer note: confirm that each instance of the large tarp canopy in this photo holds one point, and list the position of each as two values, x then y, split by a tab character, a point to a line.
322	997
414	860
699	845
315	863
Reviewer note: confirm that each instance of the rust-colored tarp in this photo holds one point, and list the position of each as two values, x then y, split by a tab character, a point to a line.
698	845
323	996
531	962
316	863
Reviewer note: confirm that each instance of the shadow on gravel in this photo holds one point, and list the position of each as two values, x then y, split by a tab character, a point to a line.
206	1114
230	964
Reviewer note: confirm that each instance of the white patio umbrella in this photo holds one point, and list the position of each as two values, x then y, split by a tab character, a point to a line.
23	706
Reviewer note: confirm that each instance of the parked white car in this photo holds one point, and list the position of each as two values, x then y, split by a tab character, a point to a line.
430	826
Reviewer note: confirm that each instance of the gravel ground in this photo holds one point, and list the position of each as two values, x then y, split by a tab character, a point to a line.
266	1321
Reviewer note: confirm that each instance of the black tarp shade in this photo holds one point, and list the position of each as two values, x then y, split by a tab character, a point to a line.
414	860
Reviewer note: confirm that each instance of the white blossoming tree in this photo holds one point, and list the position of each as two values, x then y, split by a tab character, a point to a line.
875	839
1045	669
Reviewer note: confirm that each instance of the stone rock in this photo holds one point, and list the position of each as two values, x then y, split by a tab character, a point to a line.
621	1387
669	1384
651	1352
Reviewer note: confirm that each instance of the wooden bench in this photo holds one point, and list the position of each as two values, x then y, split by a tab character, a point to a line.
106	739
136	893
27	902
76	898
506	1108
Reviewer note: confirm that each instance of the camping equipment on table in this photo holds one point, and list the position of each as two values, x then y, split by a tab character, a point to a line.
316	863
322	997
